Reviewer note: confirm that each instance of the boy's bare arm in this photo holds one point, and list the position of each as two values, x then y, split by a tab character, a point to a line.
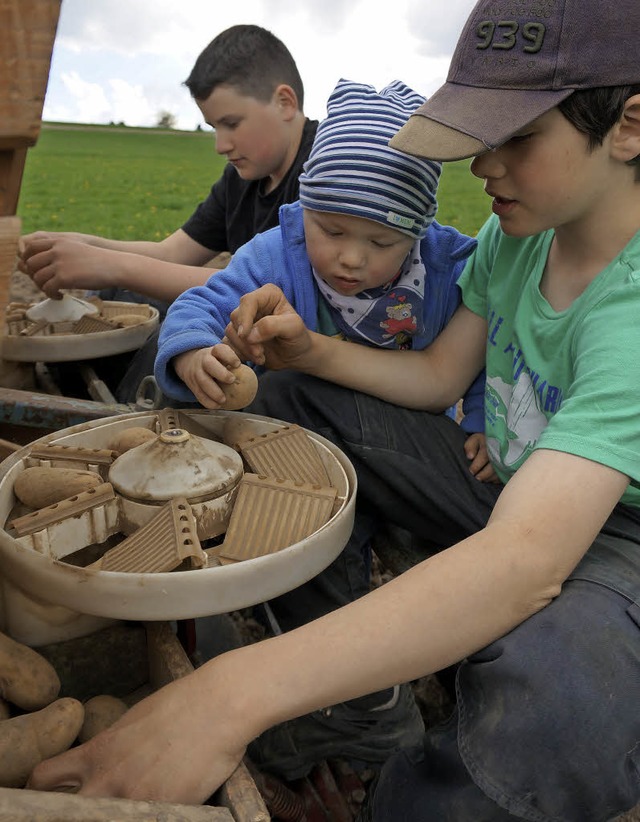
544	521
267	330
161	270
178	247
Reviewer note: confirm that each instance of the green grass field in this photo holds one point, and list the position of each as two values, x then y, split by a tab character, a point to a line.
143	184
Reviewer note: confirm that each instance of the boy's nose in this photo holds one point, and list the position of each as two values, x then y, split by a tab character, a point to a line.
223	143
352	257
488	164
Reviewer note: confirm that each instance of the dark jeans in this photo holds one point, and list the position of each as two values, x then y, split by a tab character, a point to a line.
123	373
135	366
547	725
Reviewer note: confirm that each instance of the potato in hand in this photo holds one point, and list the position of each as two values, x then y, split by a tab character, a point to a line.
241	392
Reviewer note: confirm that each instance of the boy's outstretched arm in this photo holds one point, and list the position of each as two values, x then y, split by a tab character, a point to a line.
267	330
161	270
544	521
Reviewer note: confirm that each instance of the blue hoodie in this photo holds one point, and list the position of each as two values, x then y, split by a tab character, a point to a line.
199	316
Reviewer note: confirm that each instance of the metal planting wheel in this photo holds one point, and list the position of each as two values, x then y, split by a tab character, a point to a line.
172	515
38	332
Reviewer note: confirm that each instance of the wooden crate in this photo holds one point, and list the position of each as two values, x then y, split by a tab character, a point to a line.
27	33
81	664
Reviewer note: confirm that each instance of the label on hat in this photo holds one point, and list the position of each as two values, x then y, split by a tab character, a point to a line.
398	219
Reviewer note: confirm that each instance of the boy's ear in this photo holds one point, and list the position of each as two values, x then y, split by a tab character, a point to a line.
286	98
626	141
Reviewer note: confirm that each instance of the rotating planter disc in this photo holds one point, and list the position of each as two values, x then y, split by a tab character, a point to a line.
72	329
214	512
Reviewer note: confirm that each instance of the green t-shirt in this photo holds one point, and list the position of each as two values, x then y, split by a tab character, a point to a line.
563	380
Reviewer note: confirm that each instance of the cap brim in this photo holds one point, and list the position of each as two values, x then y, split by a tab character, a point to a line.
462	121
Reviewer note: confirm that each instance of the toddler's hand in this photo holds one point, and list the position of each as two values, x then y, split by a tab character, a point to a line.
476	450
203	370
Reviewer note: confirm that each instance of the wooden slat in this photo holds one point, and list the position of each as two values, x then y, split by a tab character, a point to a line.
38	806
10	228
12	162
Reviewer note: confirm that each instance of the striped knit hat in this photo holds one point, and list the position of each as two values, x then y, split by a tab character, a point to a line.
352	170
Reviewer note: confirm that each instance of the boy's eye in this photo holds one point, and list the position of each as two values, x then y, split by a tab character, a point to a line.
521	138
381	244
332	232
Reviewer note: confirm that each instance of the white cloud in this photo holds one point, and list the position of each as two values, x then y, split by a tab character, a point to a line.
116	61
130	101
88	98
437	32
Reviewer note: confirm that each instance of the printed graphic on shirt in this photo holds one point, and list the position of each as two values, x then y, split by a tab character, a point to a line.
514	418
388	322
519	401
400	324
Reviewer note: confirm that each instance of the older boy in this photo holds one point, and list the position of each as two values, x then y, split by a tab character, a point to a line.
248	88
538	596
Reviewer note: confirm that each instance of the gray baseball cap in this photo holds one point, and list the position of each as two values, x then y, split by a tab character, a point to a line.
516	60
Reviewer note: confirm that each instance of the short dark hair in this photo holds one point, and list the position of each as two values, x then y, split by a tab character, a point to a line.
249	58
595	112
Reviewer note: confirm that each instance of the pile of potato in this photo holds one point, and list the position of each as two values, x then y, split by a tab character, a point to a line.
45	725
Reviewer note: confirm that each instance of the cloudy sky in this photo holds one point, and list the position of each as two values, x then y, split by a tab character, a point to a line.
125	60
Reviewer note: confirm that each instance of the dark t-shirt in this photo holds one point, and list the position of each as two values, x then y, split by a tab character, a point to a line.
236	210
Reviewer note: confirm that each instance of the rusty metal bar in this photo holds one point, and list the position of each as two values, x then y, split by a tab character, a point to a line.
51	412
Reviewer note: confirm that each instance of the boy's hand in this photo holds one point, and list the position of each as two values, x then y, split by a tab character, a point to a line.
267	330
55	262
156	751
203	369
475	448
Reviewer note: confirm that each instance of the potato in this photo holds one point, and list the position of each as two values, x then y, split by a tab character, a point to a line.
27	679
130	438
40	486
100	712
28	739
241	392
